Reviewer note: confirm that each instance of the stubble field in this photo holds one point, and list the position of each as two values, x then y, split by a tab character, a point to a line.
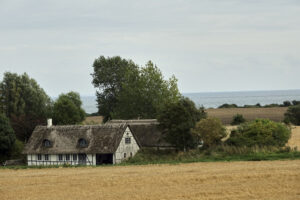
226	114
219	180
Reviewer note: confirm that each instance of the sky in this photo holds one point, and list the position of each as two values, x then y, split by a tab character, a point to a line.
209	45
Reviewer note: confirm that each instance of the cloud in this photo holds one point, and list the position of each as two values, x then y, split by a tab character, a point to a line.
209	45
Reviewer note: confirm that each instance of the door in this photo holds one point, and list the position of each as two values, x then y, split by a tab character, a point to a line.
104	159
82	159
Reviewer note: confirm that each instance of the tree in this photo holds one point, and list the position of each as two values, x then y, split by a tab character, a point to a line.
210	131
127	91
24	103
109	75
7	137
67	109
260	132
293	114
144	92
238	119
176	120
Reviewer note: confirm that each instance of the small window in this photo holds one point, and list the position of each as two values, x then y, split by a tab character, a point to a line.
130	154
47	143
46	157
127	140
74	156
124	155
60	157
39	157
68	157
82	142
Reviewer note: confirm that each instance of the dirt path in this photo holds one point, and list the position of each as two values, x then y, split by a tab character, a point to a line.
219	180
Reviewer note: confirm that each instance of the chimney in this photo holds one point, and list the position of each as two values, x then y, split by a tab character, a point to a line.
49	123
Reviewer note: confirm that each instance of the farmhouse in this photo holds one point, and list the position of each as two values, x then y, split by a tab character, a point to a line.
147	133
85	145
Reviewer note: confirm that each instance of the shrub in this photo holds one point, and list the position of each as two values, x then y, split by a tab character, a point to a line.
210	131
238	119
293	115
226	105
260	132
7	137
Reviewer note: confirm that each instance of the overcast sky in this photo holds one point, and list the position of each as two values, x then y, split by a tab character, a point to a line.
209	45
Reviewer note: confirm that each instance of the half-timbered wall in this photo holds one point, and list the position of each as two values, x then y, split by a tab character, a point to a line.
125	149
53	159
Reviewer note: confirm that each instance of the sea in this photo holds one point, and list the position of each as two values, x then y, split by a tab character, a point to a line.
215	99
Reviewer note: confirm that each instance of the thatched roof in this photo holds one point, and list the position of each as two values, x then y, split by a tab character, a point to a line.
64	139
146	131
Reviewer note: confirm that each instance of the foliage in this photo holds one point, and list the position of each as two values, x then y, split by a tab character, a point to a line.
24	103
176	120
67	109
293	115
127	91
226	105
7	137
210	131
238	119
217	153
260	132
16	151
144	92
109	75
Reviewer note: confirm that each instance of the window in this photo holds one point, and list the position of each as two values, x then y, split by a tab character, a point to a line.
124	155
46	157
130	154
68	157
39	157
60	157
82	142
47	143
127	140
74	156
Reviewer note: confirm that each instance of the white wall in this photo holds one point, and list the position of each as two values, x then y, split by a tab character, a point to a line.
131	148
32	159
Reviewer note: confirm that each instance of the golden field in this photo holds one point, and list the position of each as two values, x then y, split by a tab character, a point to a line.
226	114
216	180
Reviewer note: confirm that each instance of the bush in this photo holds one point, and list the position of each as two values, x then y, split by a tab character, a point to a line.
292	115
210	131
260	132
238	119
226	105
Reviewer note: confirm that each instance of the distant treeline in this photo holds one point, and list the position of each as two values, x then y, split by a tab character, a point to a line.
284	104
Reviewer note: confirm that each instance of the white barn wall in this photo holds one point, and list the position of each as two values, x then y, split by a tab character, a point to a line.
133	147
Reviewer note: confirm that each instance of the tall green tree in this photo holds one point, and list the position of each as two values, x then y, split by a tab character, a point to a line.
67	109
24	102
127	91
176	121
144	92
293	115
7	137
108	76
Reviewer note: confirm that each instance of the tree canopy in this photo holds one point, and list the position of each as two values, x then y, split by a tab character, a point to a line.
293	114
7	136
128	91
176	120
210	131
67	109
24	102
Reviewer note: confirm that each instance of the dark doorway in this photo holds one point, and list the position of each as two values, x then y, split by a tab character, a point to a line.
82	159
104	159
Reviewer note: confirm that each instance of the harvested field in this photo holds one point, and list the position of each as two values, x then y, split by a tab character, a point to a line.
295	137
226	114
218	180
93	120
